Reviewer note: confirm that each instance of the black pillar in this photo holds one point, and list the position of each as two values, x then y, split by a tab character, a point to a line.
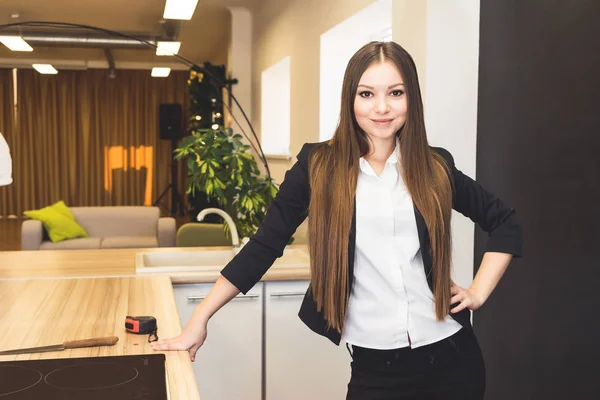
538	146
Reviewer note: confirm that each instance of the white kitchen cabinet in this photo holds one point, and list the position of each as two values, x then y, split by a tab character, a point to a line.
300	365
228	365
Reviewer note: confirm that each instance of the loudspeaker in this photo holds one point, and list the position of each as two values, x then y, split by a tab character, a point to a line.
170	118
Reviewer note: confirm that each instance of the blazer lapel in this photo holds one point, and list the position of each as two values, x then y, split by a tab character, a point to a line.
351	248
425	247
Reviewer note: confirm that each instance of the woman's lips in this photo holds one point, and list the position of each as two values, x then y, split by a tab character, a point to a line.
382	122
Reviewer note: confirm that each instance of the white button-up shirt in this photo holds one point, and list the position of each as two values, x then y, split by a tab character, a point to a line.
390	297
5	163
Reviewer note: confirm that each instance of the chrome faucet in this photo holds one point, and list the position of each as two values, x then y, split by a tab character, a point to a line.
235	240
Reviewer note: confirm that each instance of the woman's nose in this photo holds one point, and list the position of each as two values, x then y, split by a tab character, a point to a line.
382	106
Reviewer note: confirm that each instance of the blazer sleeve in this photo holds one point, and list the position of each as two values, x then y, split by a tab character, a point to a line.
286	212
488	211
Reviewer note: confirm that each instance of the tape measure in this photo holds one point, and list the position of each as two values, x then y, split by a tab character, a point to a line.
144	325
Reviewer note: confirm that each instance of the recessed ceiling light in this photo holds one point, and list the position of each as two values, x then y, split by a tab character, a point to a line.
15	43
160	72
167	48
45	69
180	9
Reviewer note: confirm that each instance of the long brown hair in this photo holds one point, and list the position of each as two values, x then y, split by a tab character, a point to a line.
333	171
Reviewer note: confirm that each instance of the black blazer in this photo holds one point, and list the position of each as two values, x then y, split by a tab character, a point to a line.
290	207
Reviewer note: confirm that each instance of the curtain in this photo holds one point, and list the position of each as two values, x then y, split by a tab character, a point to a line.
92	141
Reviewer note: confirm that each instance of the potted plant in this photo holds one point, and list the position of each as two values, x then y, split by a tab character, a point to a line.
220	166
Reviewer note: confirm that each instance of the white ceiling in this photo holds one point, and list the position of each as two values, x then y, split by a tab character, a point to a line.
204	38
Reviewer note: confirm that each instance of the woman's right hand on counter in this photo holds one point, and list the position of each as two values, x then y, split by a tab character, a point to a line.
188	340
194	334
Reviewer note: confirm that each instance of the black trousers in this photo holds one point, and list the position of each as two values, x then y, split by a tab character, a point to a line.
452	368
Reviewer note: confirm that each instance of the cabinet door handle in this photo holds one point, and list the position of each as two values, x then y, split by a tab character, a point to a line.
239	296
287	294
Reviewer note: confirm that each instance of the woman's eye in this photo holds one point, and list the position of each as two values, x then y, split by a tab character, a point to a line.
397	93
365	94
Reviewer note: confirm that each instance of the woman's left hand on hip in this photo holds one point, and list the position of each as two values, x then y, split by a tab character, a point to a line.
467	298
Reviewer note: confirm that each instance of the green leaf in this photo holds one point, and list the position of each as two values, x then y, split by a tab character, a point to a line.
221	167
220	183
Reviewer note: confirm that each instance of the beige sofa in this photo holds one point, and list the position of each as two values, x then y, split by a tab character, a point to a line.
108	228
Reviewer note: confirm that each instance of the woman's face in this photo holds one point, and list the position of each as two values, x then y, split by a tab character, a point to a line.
380	105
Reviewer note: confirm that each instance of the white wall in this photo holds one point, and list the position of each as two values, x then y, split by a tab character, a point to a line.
409	29
240	66
337	47
452	54
275	109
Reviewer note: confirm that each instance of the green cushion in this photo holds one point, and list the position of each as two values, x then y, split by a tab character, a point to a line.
59	222
62	208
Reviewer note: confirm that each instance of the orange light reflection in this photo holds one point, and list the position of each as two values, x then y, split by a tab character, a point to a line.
118	157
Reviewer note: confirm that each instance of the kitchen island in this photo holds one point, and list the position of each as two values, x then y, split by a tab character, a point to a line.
49	297
256	342
41	312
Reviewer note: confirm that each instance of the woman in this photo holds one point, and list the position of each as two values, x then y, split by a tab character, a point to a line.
380	201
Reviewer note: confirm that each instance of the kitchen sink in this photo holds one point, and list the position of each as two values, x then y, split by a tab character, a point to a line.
207	260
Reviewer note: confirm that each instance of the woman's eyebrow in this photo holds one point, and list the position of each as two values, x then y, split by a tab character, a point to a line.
372	88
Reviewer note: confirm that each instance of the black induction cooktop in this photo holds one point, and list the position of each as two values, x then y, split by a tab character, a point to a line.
139	377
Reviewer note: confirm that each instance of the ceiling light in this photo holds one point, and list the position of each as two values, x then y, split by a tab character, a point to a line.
167	48
15	43
160	72
45	69
180	9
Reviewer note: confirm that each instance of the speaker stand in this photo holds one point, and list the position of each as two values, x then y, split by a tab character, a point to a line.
176	200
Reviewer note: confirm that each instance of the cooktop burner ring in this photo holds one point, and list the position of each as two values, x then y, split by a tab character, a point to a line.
131	374
37	378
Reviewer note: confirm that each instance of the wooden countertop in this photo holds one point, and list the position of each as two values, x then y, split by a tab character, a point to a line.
43	303
50	311
54	264
273	274
75	263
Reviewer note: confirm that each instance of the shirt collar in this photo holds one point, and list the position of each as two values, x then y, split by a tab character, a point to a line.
392	159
